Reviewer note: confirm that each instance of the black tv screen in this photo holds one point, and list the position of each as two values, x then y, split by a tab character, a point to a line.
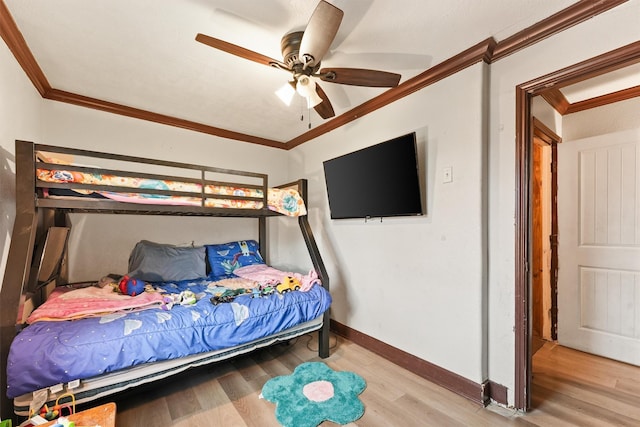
378	181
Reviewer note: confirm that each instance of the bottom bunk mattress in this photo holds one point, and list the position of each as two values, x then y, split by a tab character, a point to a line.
57	353
104	385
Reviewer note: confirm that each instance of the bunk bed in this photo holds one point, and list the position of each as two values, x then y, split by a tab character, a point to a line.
52	182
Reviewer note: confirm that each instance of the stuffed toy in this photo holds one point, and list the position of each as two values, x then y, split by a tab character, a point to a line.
131	286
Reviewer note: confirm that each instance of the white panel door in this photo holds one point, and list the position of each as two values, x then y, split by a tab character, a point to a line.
599	245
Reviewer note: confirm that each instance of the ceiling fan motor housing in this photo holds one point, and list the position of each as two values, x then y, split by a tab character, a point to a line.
290	47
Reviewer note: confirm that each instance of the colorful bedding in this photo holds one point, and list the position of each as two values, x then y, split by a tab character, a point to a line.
46	353
284	201
66	303
266	275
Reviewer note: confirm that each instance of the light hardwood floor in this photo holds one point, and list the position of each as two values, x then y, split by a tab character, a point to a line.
570	388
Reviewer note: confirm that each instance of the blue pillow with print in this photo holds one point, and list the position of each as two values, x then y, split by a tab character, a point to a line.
225	258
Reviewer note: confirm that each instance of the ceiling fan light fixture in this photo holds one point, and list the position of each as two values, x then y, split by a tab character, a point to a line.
285	93
313	99
306	87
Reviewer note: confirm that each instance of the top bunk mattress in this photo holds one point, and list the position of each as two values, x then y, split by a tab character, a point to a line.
63	177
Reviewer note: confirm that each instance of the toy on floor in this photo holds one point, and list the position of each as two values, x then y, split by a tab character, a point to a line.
64	422
49	413
131	286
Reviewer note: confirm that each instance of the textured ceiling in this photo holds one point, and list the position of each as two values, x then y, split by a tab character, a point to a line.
143	53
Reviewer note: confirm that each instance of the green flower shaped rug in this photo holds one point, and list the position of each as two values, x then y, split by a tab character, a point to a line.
314	393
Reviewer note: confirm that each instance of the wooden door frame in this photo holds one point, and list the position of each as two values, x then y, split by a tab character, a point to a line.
549	138
618	58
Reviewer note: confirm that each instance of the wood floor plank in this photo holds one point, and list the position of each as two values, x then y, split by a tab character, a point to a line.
374	382
629	385
601	370
581	388
390	375
271	365
209	392
245	397
189	403
290	359
592	394
545	413
420	413
227	393
248	368
380	412
581	413
141	411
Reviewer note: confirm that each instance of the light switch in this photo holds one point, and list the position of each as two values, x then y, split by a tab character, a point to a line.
447	175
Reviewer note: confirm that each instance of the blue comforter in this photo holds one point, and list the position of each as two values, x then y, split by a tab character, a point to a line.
48	353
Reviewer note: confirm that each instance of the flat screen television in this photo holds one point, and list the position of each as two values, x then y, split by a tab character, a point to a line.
378	181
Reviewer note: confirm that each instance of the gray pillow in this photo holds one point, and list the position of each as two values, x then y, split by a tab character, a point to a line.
157	262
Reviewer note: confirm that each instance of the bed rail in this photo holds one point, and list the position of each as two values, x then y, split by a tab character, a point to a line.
122	166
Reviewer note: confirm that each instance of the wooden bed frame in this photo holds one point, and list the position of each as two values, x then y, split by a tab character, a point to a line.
38	219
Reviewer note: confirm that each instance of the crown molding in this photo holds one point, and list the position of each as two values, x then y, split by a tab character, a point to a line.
123	110
566	18
610	98
18	46
559	102
610	61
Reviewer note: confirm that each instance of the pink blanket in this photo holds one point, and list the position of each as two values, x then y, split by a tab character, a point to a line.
68	303
266	275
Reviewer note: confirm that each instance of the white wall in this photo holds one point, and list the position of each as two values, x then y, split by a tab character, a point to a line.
544	112
100	244
598	35
603	120
20	117
414	283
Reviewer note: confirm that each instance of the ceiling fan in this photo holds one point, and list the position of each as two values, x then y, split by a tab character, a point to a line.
302	52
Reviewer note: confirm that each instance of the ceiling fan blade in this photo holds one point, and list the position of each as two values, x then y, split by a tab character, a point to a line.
324	109
359	77
240	51
320	32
